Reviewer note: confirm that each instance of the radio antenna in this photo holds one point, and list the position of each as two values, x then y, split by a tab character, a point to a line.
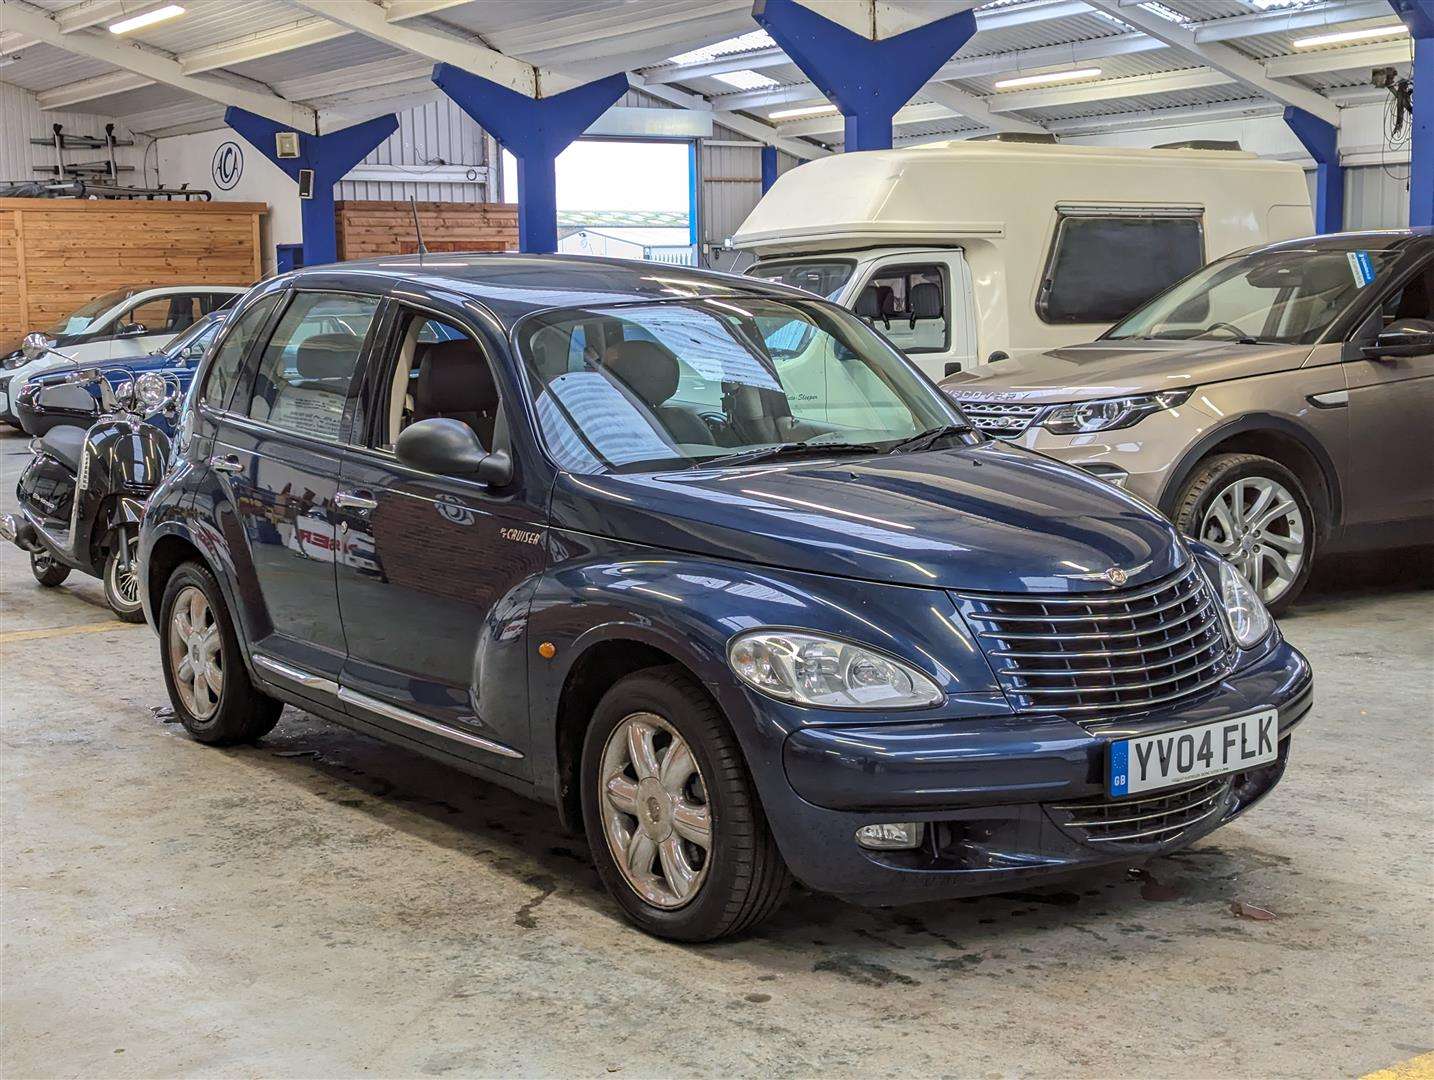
417	229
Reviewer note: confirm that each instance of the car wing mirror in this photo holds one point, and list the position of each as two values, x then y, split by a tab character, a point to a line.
132	330
450	448
1396	343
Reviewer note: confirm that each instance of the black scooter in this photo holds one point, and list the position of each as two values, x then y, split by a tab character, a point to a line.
82	495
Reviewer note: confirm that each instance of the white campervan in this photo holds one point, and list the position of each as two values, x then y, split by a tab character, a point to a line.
964	252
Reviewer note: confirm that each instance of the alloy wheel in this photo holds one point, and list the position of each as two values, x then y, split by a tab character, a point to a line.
655	812
196	654
1256	523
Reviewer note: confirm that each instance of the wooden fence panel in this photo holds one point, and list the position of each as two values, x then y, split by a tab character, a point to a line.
57	253
370	228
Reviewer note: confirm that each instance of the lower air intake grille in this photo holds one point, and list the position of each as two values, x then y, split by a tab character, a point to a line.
1143	821
1092	654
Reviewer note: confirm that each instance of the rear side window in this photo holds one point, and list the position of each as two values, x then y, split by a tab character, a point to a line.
1101	269
309	362
229	358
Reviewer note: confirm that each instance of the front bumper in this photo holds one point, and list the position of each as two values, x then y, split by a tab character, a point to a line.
989	791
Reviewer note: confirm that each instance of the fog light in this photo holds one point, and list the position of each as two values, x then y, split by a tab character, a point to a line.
891	835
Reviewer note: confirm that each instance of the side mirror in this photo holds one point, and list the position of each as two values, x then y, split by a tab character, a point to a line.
1395	342
449	448
36	345
132	330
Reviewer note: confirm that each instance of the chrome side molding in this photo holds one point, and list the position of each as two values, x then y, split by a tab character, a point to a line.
306	679
309	681
403	716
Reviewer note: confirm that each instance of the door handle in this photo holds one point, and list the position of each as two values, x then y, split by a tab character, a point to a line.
347	500
229	464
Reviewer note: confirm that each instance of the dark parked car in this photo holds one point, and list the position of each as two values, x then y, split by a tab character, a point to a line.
54	398
708	565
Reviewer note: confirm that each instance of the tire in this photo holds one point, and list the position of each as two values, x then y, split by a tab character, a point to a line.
121	586
48	571
240	712
741	878
1205	506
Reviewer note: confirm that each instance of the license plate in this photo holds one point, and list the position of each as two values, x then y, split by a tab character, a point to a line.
1175	757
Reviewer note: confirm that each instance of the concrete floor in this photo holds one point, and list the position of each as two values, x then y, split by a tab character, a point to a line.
324	905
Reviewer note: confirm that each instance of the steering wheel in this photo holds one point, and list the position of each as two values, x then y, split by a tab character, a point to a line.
1223	326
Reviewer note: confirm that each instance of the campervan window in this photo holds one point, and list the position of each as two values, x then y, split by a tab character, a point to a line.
911	304
1101	267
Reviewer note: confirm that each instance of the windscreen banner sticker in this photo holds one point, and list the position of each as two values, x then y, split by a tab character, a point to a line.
1361	268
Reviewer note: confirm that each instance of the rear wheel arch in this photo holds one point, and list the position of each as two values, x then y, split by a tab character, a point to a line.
168	553
1280	440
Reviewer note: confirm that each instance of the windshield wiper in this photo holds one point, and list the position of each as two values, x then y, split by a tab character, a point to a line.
924	440
769	453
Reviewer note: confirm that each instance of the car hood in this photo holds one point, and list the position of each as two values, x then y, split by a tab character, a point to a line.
1104	369
991	517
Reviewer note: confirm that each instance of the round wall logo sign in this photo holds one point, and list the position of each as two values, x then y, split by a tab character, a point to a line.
228	165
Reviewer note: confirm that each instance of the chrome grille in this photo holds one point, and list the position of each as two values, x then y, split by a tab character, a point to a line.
1143	820
1002	419
1100	653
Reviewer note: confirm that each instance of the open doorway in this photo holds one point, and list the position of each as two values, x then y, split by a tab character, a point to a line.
625	198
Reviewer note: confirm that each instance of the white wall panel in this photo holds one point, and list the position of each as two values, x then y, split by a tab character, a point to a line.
1377	197
21	119
427	135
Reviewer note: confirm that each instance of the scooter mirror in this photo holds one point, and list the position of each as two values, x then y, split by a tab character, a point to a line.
35	345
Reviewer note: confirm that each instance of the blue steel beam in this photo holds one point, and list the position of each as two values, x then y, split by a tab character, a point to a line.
867	80
1418	15
1321	140
535	131
331	156
769	167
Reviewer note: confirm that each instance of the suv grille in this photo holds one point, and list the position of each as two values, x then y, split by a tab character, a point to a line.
1142	821
1000	419
1104	652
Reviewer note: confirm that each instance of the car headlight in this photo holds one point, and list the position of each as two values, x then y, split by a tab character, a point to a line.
1244	610
150	390
1110	413
811	669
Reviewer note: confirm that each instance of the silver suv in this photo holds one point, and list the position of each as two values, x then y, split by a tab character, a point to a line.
1276	403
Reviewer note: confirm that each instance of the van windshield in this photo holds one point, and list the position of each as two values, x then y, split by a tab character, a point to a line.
1284	297
641	387
825	278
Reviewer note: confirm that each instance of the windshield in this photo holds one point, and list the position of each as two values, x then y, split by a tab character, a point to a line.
682	383
79	320
1280	297
191	344
825	279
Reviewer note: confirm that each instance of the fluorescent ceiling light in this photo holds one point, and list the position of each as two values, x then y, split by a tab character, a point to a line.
1168	14
745	79
755	39
1048	77
1341	36
149	18
805	110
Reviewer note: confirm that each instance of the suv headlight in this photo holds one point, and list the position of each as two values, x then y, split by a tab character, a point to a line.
1108	414
811	669
1244	610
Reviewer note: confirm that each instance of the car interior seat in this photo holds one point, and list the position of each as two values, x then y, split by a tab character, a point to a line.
651	372
925	302
455	381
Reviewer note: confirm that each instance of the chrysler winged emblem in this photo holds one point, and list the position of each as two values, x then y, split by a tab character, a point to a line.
1116	576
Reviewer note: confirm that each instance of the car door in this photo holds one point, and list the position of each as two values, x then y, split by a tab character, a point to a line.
434	572
1391	405
922	301
277	450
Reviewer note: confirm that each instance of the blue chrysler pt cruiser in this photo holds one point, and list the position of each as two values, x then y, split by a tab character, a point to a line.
709	566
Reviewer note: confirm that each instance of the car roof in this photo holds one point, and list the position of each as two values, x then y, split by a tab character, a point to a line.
1367	240
511	286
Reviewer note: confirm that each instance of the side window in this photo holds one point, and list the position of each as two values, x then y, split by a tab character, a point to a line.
1101	269
911	305
1415	300
229	358
164	314
309	362
440	371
